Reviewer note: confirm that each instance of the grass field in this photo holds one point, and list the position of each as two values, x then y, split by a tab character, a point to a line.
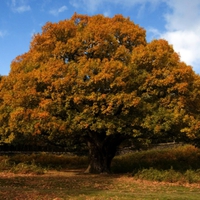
153	175
57	185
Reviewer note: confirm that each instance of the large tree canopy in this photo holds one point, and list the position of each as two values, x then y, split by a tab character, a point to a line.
97	80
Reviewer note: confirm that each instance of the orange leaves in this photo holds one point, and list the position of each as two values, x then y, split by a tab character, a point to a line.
158	54
182	88
95	73
120	104
18	114
43	115
45	103
103	96
20	121
122	54
99	37
77	99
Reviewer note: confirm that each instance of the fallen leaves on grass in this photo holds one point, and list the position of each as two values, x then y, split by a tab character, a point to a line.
76	185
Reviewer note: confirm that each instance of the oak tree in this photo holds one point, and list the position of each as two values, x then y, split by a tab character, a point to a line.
95	79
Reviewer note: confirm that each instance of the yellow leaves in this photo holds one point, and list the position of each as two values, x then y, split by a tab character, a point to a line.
109	109
17	114
37	128
110	128
99	37
158	54
103	96
45	103
131	99
77	99
157	129
122	54
20	121
182	88
192	126
43	115
99	74
136	101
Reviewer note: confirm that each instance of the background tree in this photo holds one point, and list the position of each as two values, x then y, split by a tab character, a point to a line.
96	79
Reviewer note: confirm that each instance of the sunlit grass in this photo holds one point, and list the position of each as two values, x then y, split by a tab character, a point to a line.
74	185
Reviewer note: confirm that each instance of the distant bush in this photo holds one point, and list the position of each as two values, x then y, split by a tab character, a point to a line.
175	164
7	165
178	164
179	158
24	168
172	176
52	160
4	163
41	160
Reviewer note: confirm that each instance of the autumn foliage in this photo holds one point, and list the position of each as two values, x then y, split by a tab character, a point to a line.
97	80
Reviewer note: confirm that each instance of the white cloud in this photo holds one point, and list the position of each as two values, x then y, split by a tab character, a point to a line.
19	6
152	33
183	30
21	9
93	5
187	44
56	12
107	13
2	33
33	32
89	5
184	14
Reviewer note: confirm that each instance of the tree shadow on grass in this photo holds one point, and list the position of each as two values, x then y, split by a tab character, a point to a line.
54	184
73	185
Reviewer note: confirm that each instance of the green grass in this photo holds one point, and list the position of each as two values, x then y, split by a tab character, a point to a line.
75	185
153	174
172	176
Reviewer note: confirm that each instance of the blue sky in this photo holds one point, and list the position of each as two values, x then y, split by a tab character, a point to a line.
177	21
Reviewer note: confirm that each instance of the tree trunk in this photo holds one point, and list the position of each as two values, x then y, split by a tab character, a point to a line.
101	153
